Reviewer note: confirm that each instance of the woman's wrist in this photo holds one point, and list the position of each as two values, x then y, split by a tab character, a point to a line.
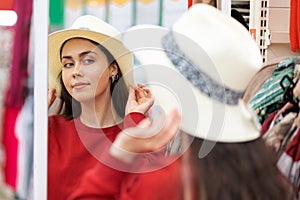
121	154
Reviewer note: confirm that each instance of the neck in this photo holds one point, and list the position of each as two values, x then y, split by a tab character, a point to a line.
99	113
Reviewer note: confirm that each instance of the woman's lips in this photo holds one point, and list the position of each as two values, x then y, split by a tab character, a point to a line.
79	85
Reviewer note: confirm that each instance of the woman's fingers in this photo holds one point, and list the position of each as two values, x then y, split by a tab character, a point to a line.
139	100
51	97
142	91
131	93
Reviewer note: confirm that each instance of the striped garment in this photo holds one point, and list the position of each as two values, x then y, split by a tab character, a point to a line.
270	96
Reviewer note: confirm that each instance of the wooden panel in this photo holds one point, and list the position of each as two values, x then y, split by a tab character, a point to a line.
279	37
279	3
279	19
278	24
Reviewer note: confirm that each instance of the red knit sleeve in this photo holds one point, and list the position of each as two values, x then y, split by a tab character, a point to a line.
132	119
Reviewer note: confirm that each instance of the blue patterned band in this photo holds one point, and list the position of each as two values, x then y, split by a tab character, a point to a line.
195	76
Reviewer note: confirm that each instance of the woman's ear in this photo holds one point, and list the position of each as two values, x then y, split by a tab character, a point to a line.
113	68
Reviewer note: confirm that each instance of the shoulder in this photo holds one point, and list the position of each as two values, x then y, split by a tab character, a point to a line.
58	122
56	119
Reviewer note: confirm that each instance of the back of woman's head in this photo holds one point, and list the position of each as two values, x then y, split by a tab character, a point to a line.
243	171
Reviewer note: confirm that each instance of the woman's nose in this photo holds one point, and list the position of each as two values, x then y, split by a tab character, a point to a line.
77	70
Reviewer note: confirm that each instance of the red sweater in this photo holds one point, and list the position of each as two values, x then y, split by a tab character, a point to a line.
103	183
73	148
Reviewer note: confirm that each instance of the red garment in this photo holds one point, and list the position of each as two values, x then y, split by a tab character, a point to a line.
6	5
73	148
10	143
267	122
15	94
190	3
295	25
160	179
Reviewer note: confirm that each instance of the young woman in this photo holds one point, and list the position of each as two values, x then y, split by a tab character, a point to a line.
90	70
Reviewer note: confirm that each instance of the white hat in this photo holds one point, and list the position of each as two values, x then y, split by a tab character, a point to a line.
202	65
92	28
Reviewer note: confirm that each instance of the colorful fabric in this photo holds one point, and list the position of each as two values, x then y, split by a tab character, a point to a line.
16	91
289	162
269	97
278	137
10	144
283	138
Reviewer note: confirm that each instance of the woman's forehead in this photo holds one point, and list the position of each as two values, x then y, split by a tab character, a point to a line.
78	42
79	46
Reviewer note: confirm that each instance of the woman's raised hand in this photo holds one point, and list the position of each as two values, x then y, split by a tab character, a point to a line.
140	99
51	97
146	137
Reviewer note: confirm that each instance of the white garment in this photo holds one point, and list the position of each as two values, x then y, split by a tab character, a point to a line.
24	133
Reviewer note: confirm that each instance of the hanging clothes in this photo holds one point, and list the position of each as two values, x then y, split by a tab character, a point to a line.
269	97
295	25
16	91
25	133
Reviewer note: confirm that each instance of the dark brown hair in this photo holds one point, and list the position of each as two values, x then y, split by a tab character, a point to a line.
70	108
243	171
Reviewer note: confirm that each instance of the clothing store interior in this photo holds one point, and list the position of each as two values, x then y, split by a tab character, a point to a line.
219	122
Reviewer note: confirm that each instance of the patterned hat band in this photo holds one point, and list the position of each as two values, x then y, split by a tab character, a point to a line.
199	79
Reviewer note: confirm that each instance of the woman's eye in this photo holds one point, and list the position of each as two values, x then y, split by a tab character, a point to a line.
68	65
88	61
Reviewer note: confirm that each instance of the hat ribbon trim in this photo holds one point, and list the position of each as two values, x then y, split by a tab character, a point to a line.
195	76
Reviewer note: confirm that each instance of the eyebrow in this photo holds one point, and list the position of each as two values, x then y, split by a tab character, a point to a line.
80	55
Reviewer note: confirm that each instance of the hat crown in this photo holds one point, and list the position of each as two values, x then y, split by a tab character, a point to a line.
234	53
92	23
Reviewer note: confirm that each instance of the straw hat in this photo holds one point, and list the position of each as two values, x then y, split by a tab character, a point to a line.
95	29
202	66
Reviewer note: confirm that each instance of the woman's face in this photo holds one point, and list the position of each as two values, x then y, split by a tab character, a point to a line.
85	70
